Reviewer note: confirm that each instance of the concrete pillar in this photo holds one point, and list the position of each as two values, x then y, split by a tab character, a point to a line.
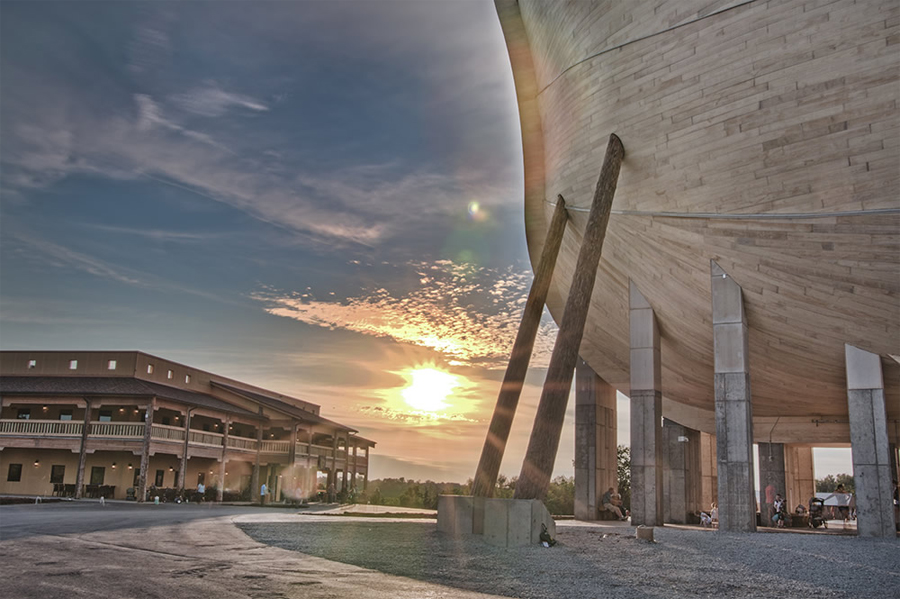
869	441
646	413
734	414
772	480
709	478
355	469
799	476
595	440
254	477
682	483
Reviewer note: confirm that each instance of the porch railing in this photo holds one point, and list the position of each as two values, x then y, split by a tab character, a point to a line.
205	438
117	429
164	432
54	428
279	447
242	443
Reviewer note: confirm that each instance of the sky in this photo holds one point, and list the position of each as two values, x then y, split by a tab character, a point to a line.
319	198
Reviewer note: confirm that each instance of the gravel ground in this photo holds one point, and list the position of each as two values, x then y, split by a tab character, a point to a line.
592	561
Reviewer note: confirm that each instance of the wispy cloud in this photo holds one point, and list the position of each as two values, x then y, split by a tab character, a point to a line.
212	101
468	314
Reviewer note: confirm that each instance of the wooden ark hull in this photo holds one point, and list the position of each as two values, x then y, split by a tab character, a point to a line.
762	135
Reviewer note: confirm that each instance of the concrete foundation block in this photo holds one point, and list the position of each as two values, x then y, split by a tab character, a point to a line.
515	522
644	533
456	514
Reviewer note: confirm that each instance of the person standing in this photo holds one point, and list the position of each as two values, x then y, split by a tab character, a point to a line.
262	494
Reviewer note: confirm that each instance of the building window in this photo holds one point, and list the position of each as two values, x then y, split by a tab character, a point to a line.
206	426
57	474
15	473
187	378
170	374
73	364
32	364
23	414
111	365
65	414
149	368
159	478
105	415
98	473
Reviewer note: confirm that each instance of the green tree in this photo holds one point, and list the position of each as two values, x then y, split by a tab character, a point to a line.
623	472
560	499
831	482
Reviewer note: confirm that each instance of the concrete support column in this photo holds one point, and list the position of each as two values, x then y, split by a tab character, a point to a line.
595	440
646	413
355	455
772	479
82	454
145	450
345	470
681	473
799	477
869	441
709	477
734	414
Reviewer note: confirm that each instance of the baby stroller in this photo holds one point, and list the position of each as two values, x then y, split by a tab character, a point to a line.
817	513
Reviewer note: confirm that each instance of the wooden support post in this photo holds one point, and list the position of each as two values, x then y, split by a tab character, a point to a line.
254	478
511	389
537	468
82	455
182	474
145	450
223	468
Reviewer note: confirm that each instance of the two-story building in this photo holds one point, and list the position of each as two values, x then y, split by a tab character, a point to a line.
118	423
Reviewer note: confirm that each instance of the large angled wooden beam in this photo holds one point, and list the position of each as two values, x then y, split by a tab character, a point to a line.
537	468
511	389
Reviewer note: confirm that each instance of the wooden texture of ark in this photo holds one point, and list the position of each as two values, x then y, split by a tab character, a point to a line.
511	389
537	468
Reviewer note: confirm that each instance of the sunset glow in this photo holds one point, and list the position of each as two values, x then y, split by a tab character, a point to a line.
429	389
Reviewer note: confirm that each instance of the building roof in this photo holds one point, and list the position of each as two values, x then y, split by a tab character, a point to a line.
87	386
280	405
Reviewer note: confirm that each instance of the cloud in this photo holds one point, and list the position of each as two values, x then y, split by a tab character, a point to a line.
468	314
211	101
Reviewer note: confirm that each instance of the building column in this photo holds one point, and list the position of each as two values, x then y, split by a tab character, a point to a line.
709	493
145	450
799	477
772	479
355	455
869	442
223	467
254	478
82	454
646	413
595	440
182	473
734	414
681	473
344	472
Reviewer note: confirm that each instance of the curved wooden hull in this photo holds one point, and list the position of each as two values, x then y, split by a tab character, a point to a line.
763	136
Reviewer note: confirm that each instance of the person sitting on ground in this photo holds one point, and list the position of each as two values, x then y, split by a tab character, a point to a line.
609	501
705	519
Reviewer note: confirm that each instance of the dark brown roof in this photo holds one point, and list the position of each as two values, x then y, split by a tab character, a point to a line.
281	406
88	386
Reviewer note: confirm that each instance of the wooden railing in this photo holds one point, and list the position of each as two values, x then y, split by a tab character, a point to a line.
165	432
242	443
162	432
205	438
117	429
54	428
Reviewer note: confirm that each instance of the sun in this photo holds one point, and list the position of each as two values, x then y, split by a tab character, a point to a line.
428	389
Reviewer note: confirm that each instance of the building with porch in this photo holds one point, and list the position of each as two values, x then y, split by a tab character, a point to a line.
119	423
